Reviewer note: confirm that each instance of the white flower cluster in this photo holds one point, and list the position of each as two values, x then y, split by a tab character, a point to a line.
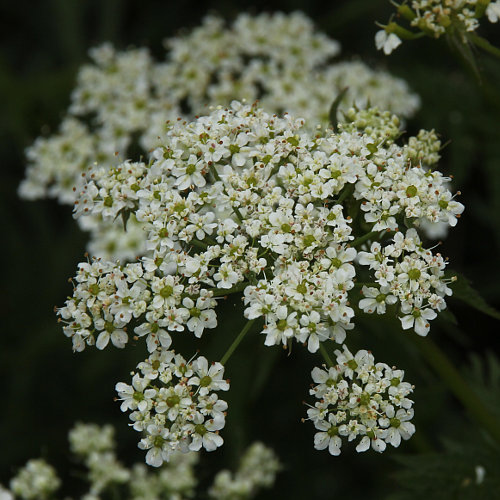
360	399
407	273
173	481
243	202
258	468
173	402
435	18
85	439
36	480
95	447
124	100
391	189
107	297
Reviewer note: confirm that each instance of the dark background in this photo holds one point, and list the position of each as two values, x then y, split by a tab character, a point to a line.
46	388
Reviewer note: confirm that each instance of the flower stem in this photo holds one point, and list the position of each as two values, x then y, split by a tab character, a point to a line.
199	244
482	43
325	355
460	388
362	239
237	341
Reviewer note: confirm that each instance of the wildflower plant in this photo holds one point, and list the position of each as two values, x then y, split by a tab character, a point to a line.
308	228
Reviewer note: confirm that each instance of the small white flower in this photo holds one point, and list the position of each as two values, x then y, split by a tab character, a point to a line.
493	11
386	42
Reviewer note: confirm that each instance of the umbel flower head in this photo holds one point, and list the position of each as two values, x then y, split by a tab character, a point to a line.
248	203
360	399
122	101
174	405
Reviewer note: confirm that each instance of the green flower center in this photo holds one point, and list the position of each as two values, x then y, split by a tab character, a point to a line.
158	441
282	325
414	274
411	191
205	381
167	291
173	400
333	431
395	381
395	422
190	169
179	207
200	429
364	399
380	297
309	240
352	364
195	312
336	262
138	396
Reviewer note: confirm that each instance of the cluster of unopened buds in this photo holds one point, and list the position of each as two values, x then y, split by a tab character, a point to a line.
304	227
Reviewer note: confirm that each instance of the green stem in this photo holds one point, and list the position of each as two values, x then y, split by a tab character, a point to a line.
362	239
199	244
221	292
460	388
482	43
237	341
326	356
348	190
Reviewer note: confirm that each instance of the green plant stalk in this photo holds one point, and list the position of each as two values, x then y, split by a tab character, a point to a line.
458	386
326	356
362	239
237	341
482	43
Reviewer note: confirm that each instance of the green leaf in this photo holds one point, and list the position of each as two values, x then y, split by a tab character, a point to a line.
463	290
334	107
448	316
451	474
